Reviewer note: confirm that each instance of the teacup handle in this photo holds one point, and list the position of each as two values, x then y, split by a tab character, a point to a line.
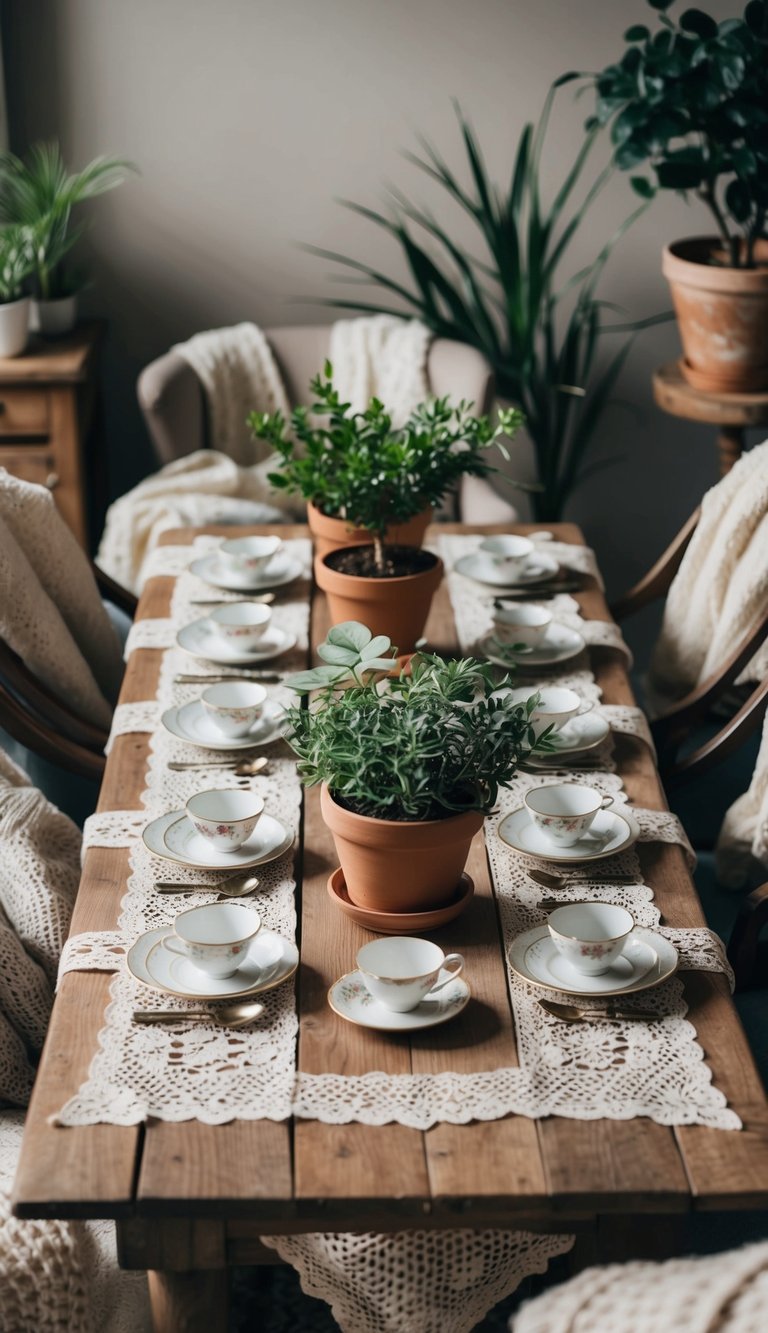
586	707
606	801
174	945
453	963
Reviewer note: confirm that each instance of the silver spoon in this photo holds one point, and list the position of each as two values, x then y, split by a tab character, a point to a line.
545	880
572	1013
243	768
237	886
228	1016
266	598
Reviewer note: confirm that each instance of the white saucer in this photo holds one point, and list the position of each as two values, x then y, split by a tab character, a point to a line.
269	840
647	960
350	998
202	641
281	569
558	644
192	723
271	959
610	833
537	569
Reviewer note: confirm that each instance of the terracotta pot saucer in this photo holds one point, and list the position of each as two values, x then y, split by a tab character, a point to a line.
399	923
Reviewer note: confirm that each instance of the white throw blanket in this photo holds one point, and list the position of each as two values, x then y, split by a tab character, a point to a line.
51	614
721	587
724	1292
742	846
229	483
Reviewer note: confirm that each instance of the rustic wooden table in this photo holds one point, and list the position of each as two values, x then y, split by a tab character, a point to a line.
189	1199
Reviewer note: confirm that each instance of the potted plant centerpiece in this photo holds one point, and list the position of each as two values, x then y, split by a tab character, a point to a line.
691	101
410	762
39	194
371	488
16	263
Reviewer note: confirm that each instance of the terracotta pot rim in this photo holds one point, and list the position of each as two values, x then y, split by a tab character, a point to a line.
685	262
390	582
378	826
349	525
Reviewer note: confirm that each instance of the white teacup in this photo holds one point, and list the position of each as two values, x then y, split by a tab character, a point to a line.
521	624
508	554
249	555
225	817
555	707
233	708
214	938
565	810
240	624
590	936
400	971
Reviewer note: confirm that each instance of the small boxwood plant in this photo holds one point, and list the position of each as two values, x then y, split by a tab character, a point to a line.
431	740
358	467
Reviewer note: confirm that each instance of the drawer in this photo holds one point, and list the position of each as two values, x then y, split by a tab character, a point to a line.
23	412
31	464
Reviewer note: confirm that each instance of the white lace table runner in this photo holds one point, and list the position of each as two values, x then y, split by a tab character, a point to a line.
198	1071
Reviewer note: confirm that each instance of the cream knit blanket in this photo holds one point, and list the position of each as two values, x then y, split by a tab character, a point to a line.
51	614
722	1293
229	483
721	588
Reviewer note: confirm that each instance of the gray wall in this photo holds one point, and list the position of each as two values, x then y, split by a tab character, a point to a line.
249	117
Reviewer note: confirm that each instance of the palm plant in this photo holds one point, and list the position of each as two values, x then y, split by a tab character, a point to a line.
539	331
39	193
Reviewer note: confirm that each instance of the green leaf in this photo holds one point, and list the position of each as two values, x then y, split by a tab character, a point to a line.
642	186
376	648
332	652
696	21
738	200
350	634
756	17
637	33
318	678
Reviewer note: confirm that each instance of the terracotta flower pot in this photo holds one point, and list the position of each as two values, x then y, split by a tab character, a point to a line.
397	607
331	534
394	866
722	314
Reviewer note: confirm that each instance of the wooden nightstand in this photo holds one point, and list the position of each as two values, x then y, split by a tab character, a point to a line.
47	399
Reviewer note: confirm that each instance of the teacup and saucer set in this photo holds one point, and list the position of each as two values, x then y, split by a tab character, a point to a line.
572	725
507	562
236	634
220	951
222	829
593	949
401	984
248	564
527	635
234	715
569	822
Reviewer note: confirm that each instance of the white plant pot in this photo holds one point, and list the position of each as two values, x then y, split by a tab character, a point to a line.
14	326
52	318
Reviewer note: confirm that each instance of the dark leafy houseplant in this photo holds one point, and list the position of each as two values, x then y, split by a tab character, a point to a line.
39	194
16	262
539	326
358	467
690	100
432	741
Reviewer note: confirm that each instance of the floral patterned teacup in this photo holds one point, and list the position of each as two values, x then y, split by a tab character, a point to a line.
401	971
526	624
249	555
555	705
225	817
565	810
590	936
240	625
215	938
508	554
234	707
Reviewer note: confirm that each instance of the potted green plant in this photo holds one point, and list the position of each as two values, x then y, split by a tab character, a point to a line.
410	764
373	480
16	264
39	193
690	100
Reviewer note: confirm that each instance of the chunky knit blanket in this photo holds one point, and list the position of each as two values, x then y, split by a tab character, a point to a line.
51	614
55	1277
723	1293
229	482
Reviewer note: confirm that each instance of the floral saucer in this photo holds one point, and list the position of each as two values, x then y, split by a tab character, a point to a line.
281	569
190	722
557	644
537	568
611	832
350	998
201	640
270	960
269	840
647	960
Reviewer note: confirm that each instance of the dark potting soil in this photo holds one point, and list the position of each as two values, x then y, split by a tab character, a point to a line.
399	561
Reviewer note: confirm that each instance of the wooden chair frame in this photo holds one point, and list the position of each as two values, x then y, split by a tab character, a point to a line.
42	740
115	592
